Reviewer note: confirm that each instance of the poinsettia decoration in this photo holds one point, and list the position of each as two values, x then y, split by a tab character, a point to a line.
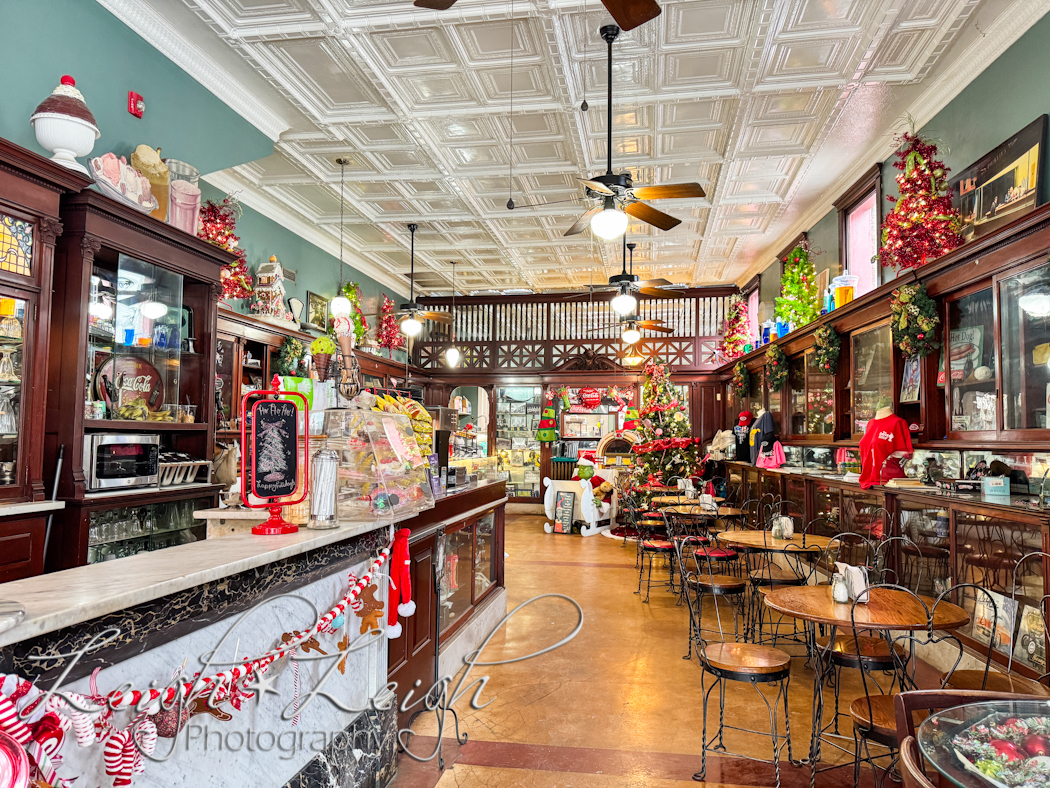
914	320
776	368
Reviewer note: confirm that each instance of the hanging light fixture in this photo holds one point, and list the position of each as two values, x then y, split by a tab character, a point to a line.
631	334
410	326
624	303
609	223
452	354
341	306
632	357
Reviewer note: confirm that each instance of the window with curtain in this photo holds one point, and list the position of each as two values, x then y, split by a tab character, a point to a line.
752	315
862	243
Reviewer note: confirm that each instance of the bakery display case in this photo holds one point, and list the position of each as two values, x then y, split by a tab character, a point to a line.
467	567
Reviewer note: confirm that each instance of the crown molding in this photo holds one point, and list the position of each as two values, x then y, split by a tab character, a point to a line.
170	42
978	56
271	209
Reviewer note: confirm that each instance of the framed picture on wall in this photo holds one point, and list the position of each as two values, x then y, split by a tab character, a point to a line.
1002	185
910	381
316	312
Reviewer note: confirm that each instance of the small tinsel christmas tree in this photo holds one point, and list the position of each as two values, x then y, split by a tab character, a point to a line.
388	333
736	331
546	432
923	224
216	226
799	301
666	452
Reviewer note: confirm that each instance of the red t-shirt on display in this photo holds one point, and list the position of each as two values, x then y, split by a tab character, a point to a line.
883	437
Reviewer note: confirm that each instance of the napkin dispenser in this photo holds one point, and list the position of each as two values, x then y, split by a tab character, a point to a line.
856	581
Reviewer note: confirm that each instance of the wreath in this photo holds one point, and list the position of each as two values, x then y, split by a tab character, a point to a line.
914	321
776	368
741	380
289	357
827	345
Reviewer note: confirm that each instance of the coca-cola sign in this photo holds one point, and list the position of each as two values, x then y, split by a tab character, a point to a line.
128	378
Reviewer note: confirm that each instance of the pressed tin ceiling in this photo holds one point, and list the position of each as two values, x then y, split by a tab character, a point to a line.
768	104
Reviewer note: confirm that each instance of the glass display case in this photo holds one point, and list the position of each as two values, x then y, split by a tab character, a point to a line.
381	474
456	584
12	356
518	452
756	392
820	398
796	397
927	565
484	554
925	463
117	533
971	367
486	468
587	425
1024	328
871	377
820	458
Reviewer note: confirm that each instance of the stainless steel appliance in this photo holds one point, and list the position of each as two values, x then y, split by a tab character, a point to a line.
116	461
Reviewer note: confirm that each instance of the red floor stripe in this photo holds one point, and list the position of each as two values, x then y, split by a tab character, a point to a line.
583	760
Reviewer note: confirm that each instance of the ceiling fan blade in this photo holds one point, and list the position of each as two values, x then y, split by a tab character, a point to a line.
657	292
631	13
648	323
437	317
587	293
672	191
435	5
583	221
603	327
649	215
659	329
597	186
655	283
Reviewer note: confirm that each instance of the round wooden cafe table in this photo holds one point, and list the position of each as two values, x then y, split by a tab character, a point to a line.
887	609
673	500
762	541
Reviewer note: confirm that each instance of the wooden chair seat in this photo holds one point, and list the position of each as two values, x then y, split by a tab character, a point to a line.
997	682
774	575
747	658
723	583
882	710
862	647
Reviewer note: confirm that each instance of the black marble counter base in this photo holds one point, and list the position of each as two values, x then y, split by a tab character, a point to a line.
374	733
151	624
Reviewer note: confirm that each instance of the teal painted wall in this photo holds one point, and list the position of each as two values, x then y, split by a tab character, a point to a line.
824	243
44	39
315	269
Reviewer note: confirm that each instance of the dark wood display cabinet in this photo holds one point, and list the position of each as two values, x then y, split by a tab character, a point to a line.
30	191
133	338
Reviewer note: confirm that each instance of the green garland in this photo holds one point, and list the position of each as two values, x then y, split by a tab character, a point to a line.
776	368
741	380
914	321
288	358
827	345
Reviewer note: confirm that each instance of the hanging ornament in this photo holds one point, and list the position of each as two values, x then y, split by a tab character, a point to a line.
590	398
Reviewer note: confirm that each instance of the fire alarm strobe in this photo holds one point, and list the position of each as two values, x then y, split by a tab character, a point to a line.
136	104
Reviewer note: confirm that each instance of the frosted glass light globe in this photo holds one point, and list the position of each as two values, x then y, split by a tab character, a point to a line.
609	224
631	335
624	304
340	306
411	327
154	310
452	356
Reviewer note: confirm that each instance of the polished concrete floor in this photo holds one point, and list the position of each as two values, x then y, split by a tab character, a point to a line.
618	706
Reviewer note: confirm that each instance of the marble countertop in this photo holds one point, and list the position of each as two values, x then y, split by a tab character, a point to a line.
72	596
30	507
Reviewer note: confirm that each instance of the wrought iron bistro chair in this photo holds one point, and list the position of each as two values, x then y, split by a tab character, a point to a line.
764	574
653	543
698	579
873	713
884	564
726	558
1007	682
748	663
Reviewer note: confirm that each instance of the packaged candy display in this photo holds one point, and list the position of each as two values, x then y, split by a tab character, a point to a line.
422	421
1007	750
381	474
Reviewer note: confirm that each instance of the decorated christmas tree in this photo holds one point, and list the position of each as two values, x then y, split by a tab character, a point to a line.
388	333
736	332
546	431
799	301
923	224
666	452
216	226
271	464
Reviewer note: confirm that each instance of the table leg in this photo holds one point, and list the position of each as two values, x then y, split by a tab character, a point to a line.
820	665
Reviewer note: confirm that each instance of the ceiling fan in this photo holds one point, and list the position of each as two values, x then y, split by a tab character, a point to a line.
624	304
627	13
616	195
411	313
627	283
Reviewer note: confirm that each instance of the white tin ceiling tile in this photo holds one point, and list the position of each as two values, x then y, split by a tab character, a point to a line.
372	190
902	55
806	17
485	42
705	70
712	22
701	113
528	83
825	61
418	48
777	138
436	90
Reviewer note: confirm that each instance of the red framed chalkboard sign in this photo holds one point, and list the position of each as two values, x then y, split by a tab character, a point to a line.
270	453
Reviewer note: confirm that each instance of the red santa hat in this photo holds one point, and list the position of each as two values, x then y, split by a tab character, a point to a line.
399	601
585	461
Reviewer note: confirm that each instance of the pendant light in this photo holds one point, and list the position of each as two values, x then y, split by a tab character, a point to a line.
341	306
631	334
452	354
632	358
410	326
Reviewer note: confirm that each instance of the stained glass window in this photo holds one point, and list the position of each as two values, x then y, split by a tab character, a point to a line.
16	245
